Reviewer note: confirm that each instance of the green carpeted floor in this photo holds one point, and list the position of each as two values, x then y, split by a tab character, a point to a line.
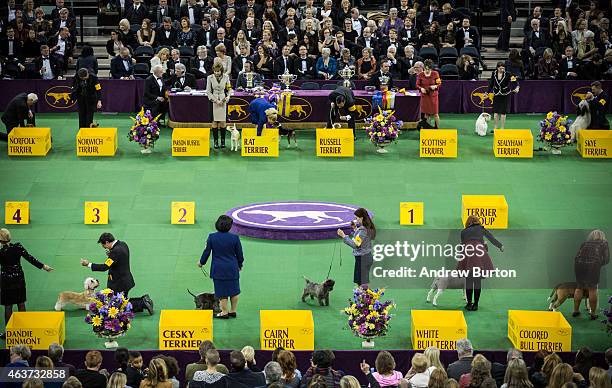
140	189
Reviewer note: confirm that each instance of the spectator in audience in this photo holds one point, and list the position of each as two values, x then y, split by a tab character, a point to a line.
273	374
548	68
33	383
199	365
161	58
345	60
570	65
391	41
586	47
19	356
464	364
224	59
428	15
409	34
603	43
249	356
136	13
175	58
240	60
291	376
467	35
448	37
65	21
579	32
312	46
534	40
134	371
321	364
47	66
368	41
121	65
327	40
384	71
303	65
126	35
563	374
162	10
507	15
172	369
210	376
41	25
391	59
166	35
87	60
541	379
72	382
185	35
419	373
201	64
284	62
241	40
431	36
181	80
155	92
56	353
91	377
263	62
433	359
326	65
192	11
468	70
385	374
114	44
516	375
156	375
584	355
221	39
61	48
438	378
117	380
537	15
557	17
413	74
498	370
594	69
561	38
598	378
31	47
241	374
480	370
538	361
366	65
146	34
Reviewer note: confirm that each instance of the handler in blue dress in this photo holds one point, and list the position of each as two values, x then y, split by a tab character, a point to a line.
226	265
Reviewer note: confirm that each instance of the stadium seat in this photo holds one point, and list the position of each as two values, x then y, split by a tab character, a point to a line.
186	51
429	53
141	70
143	54
161	47
449	71
329	87
464	12
310	86
134	28
471	51
448	55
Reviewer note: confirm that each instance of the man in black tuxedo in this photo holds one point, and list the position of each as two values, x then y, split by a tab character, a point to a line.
537	14
257	8
201	65
175	59
467	36
181	79
385	70
367	40
290	28
236	22
61	47
166	34
427	16
240	60
534	40
392	40
120	277
160	11
47	66
253	35
55	12
569	67
507	13
11	52
228	4
136	13
303	65
191	11
206	34
155	98
242	376
121	65
18	112
284	62
599	102
86	92
229	45
407	61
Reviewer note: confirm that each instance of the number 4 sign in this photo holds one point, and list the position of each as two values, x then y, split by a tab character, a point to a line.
411	213
16	213
96	213
183	213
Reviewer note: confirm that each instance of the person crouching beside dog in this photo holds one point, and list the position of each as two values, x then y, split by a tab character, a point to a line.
342	108
593	254
501	84
120	277
473	235
360	240
226	264
12	278
598	105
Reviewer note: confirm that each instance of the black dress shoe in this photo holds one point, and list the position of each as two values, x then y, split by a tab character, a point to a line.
217	316
148	304
232	315
3	336
474	307
216	146
594	317
468	307
576	314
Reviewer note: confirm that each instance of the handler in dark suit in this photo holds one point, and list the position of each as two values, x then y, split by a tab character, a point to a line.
18	112
342	107
120	277
86	92
599	102
507	13
181	79
226	265
154	98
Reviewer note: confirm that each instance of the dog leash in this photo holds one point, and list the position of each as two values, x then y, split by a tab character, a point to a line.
332	259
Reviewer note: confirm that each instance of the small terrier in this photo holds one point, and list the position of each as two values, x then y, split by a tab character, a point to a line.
206	301
235	138
81	299
564	291
318	290
482	124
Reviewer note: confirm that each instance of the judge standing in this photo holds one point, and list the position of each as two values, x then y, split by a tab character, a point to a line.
501	84
86	92
219	91
155	98
428	83
18	112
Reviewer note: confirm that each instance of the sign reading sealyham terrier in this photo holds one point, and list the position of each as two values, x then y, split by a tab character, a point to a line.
292	220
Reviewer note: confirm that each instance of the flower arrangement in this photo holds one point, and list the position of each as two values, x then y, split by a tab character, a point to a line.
368	316
145	130
109	313
383	128
554	130
608	314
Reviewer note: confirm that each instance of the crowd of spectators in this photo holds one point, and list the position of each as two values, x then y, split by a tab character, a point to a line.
470	370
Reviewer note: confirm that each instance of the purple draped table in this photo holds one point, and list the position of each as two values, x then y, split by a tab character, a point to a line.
304	109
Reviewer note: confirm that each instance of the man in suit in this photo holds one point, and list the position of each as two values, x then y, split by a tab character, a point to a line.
257	9
181	79
56	354
166	34
392	59
537	14
290	28
201	65
342	107
385	70
229	45
243	83
599	102
162	10
55	12
121	65
463	365
137	12
427	16
120	277
206	34
467	36
358	21
303	65
392	40
86	92
507	13
534	40
407	61
240	60
61	47
228	4
64	20
252	34
369	41
47	66
241	375
155	98
191	11
90	377
569	67
18	112
284	62
175	59
11	52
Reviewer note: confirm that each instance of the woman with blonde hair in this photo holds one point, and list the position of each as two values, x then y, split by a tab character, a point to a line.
481	371
44	362
599	378
593	254
117	380
438	378
562	374
419	374
161	58
433	356
219	91
540	379
223	58
126	35
157	375
516	375
249	355
349	382
241	39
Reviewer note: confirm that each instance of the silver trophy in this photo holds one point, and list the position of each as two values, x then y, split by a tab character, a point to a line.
287	79
249	79
347	73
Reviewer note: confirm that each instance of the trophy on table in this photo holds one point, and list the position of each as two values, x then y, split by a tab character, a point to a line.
347	73
249	79
287	79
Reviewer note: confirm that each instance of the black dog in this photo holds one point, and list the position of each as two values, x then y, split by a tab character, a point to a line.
423	124
206	301
320	291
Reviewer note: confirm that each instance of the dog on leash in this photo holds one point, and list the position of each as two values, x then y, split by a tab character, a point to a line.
564	291
583	118
80	299
440	284
235	137
318	290
482	124
206	301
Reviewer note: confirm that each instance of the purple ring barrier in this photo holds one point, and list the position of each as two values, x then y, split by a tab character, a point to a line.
346	360
455	96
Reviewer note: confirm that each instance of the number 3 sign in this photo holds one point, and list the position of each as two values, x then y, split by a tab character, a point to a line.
183	213
96	213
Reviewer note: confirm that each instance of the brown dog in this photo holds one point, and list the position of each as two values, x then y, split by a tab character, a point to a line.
564	291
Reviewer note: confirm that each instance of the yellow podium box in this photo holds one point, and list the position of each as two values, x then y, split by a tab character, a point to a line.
291	329
96	213
539	330
335	143
96	142
492	210
191	142
265	145
411	213
438	143
513	143
29	141
184	329
38	330
16	213
436	328
183	213
594	143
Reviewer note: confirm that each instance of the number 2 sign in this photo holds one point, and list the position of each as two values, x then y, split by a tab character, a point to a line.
96	213
16	213
183	213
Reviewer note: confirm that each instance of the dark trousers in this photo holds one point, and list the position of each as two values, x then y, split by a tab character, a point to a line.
9	127
473	285
361	272
137	304
334	117
158	108
503	42
216	134
86	113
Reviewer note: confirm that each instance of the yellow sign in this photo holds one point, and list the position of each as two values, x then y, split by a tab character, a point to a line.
29	141
183	213
491	210
184	329
513	143
594	143
37	330
191	142
291	329
16	213
96	213
96	142
265	145
335	143
411	213
539	330
436	328
438	143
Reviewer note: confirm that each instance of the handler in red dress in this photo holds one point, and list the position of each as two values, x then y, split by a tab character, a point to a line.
428	82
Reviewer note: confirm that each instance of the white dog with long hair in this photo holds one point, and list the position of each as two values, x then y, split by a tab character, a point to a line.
482	124
235	137
583	118
80	299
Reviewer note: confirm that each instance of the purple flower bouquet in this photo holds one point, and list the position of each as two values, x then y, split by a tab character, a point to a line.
109	313
368	316
554	130
145	130
383	128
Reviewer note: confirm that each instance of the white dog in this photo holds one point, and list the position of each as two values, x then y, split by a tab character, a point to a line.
583	118
81	299
440	284
235	138
482	124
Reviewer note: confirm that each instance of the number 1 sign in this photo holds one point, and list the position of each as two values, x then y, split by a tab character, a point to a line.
411	213
96	213
183	213
16	213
